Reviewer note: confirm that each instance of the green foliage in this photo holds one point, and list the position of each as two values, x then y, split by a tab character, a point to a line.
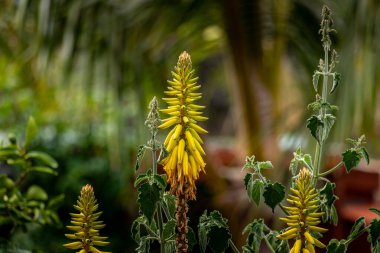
358	225
86	224
213	232
254	188
149	195
279	246
328	198
140	155
374	235
375	210
274	194
22	204
336	246
255	231
351	159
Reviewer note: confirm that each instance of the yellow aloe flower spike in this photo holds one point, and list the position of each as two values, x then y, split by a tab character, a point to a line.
183	141
86	225
184	161
303	215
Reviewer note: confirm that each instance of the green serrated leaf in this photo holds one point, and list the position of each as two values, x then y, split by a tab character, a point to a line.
160	180
279	246
374	235
213	232
140	155
30	132
247	179
328	124
315	126
359	223
327	193
255	189
169	229
43	157
192	240
169	201
264	165
375	210
144	245
142	178
293	167
308	161
149	195
351	159
336	246
364	154
336	81
274	194
135	229
255	235
43	169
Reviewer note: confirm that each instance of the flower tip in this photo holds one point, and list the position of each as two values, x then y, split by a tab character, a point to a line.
184	60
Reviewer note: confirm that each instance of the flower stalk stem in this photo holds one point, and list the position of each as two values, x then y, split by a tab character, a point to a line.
233	246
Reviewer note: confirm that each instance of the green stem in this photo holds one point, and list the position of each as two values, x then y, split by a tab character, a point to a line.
269	245
322	113
330	170
233	246
150	231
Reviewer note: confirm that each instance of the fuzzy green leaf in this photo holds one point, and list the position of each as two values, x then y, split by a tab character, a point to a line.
364	153
375	210
255	189
359	223
279	246
327	193
293	167
169	229
144	245
315	126
255	235
351	159
213	232
247	179
274	194
374	235
264	165
329	122
308	161
336	81
142	178
149	195
140	155
135	229
160	180
169	204
336	246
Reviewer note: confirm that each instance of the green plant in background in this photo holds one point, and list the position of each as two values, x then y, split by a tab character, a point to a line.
86	225
22	204
312	197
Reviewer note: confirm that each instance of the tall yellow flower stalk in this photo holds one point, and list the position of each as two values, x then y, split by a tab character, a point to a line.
184	162
303	215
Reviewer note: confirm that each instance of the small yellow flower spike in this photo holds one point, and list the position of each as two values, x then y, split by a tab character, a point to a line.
85	224
303	216
183	142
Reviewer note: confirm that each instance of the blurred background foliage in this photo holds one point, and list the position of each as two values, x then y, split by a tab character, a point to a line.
86	70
